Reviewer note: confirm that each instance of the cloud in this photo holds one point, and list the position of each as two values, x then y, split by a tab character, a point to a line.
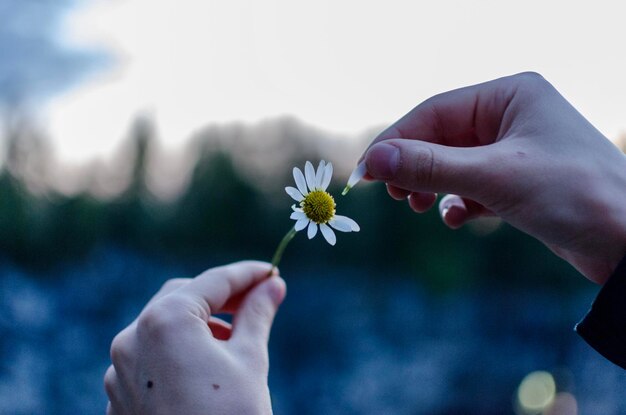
35	63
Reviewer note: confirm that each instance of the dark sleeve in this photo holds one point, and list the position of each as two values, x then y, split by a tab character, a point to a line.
604	326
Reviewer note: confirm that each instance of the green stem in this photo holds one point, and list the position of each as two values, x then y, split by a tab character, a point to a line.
281	247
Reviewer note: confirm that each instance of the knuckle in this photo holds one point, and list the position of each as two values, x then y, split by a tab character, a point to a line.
532	81
110	380
531	76
120	348
157	320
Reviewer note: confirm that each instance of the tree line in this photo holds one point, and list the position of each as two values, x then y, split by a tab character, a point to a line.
227	211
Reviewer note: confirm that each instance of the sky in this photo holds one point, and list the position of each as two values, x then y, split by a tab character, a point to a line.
341	65
33	63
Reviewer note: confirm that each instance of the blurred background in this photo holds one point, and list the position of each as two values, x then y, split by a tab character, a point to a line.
148	139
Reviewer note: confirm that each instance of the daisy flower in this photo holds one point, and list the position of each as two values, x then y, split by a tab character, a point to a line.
317	206
316	209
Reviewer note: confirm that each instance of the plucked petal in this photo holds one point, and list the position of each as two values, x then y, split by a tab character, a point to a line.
297	215
294	193
319	174
309	172
357	174
300	182
328	233
312	231
301	224
328	174
344	220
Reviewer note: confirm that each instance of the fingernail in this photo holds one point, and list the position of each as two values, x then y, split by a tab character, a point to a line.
383	161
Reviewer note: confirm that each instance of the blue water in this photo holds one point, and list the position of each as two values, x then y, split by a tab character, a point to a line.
345	341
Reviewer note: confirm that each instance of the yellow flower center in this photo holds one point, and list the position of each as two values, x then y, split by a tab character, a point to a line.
318	206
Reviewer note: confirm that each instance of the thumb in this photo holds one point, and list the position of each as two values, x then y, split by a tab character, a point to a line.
253	321
419	166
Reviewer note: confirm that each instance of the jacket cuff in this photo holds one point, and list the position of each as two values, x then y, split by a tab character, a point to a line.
604	326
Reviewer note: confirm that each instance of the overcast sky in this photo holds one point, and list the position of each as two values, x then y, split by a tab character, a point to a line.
339	65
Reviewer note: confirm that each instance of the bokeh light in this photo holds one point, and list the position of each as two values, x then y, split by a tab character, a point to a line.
564	404
536	392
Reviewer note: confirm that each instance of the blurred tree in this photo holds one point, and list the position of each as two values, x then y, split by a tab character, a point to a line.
27	151
130	216
231	210
14	219
220	212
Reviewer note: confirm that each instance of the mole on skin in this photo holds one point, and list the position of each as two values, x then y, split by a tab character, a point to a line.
216	386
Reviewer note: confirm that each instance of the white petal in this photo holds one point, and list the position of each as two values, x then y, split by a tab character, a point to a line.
294	193
312	231
328	233
320	174
357	174
300	182
328	174
309	172
297	215
301	224
340	225
296	209
345	221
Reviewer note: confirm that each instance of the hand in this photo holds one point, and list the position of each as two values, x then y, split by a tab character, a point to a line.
176	358
515	148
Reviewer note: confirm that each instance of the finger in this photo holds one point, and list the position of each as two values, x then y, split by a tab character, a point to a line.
213	288
169	286
254	319
397	193
463	117
123	354
113	391
420	202
221	330
418	166
233	303
456	211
